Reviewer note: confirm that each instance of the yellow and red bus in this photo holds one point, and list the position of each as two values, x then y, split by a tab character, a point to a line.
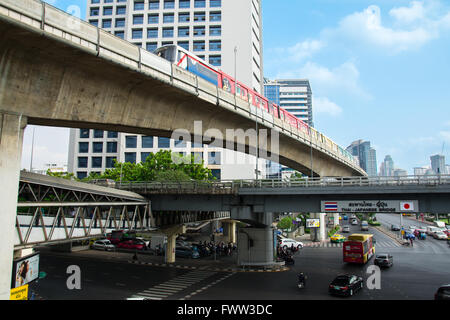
358	248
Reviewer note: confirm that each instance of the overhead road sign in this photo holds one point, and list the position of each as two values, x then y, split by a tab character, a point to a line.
381	206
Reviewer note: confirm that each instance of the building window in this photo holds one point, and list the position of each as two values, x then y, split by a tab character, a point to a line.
95	11
166	43
152	33
215	16
153	5
110	162
151	46
214	157
216	173
197	157
215	30
94	22
111	147
144	156
184	17
96	162
98	133
121	10
84	133
199	45
108	1
184	44
139	5
215	3
95	1
83	147
179	144
107	11
184	4
119	34
215	45
81	174
153	18
167	32
183	31
163	142
215	60
136	34
131	141
106	23
82	162
120	23
112	134
199	31
138	19
97	147
147	142
199	3
169	4
130	157
199	16
168	18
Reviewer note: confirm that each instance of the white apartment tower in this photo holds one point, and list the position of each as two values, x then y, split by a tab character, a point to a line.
224	33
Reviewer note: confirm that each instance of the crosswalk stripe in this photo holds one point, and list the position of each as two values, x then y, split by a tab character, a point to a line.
153	295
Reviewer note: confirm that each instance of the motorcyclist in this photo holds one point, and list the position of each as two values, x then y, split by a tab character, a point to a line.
302	279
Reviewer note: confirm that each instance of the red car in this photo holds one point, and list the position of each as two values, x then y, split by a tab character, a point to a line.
130	244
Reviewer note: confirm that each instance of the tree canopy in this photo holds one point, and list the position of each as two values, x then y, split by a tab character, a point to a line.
161	166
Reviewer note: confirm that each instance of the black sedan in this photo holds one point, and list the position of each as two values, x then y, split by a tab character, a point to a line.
345	285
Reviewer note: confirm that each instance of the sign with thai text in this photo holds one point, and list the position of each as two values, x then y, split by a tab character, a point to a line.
369	206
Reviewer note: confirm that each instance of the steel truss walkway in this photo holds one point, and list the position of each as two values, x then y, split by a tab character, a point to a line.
57	210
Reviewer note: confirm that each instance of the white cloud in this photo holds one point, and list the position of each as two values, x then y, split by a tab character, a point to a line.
367	28
408	15
344	77
324	106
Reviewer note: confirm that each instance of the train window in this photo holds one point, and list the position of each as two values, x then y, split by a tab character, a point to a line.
226	85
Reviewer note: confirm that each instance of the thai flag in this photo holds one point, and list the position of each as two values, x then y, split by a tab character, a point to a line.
331	206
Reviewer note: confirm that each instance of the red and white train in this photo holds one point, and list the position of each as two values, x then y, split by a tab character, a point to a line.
188	61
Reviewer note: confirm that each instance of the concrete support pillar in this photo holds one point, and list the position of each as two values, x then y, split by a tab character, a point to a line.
22	253
170	250
11	140
318	234
232	231
256	247
171	234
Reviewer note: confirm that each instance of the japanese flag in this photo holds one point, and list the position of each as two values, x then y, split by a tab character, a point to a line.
407	206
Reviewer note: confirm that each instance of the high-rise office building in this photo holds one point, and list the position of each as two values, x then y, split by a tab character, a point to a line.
387	167
366	155
293	95
438	163
225	33
420	171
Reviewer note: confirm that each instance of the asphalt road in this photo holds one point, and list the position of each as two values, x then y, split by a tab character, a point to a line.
417	272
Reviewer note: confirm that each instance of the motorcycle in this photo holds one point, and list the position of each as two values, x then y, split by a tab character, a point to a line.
301	281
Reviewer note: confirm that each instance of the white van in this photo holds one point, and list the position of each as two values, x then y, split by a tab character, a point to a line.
431	230
364	226
439	224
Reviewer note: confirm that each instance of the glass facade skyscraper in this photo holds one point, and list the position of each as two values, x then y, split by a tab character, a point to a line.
366	155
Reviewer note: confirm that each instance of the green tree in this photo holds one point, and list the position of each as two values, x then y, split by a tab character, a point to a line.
285	223
64	175
161	166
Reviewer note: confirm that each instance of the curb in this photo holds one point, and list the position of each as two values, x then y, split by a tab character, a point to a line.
284	268
389	234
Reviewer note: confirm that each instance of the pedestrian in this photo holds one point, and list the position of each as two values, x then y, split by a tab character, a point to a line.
411	240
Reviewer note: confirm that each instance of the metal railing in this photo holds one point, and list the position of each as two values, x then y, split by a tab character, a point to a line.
233	186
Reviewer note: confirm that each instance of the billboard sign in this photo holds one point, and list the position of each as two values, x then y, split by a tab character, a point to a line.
313	223
25	270
382	206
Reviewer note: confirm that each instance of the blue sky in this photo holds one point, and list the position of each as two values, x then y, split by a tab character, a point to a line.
378	70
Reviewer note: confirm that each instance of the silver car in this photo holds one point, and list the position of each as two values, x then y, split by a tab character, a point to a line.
345	229
105	245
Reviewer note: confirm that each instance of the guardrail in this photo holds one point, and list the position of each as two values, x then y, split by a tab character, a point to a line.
50	21
233	186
